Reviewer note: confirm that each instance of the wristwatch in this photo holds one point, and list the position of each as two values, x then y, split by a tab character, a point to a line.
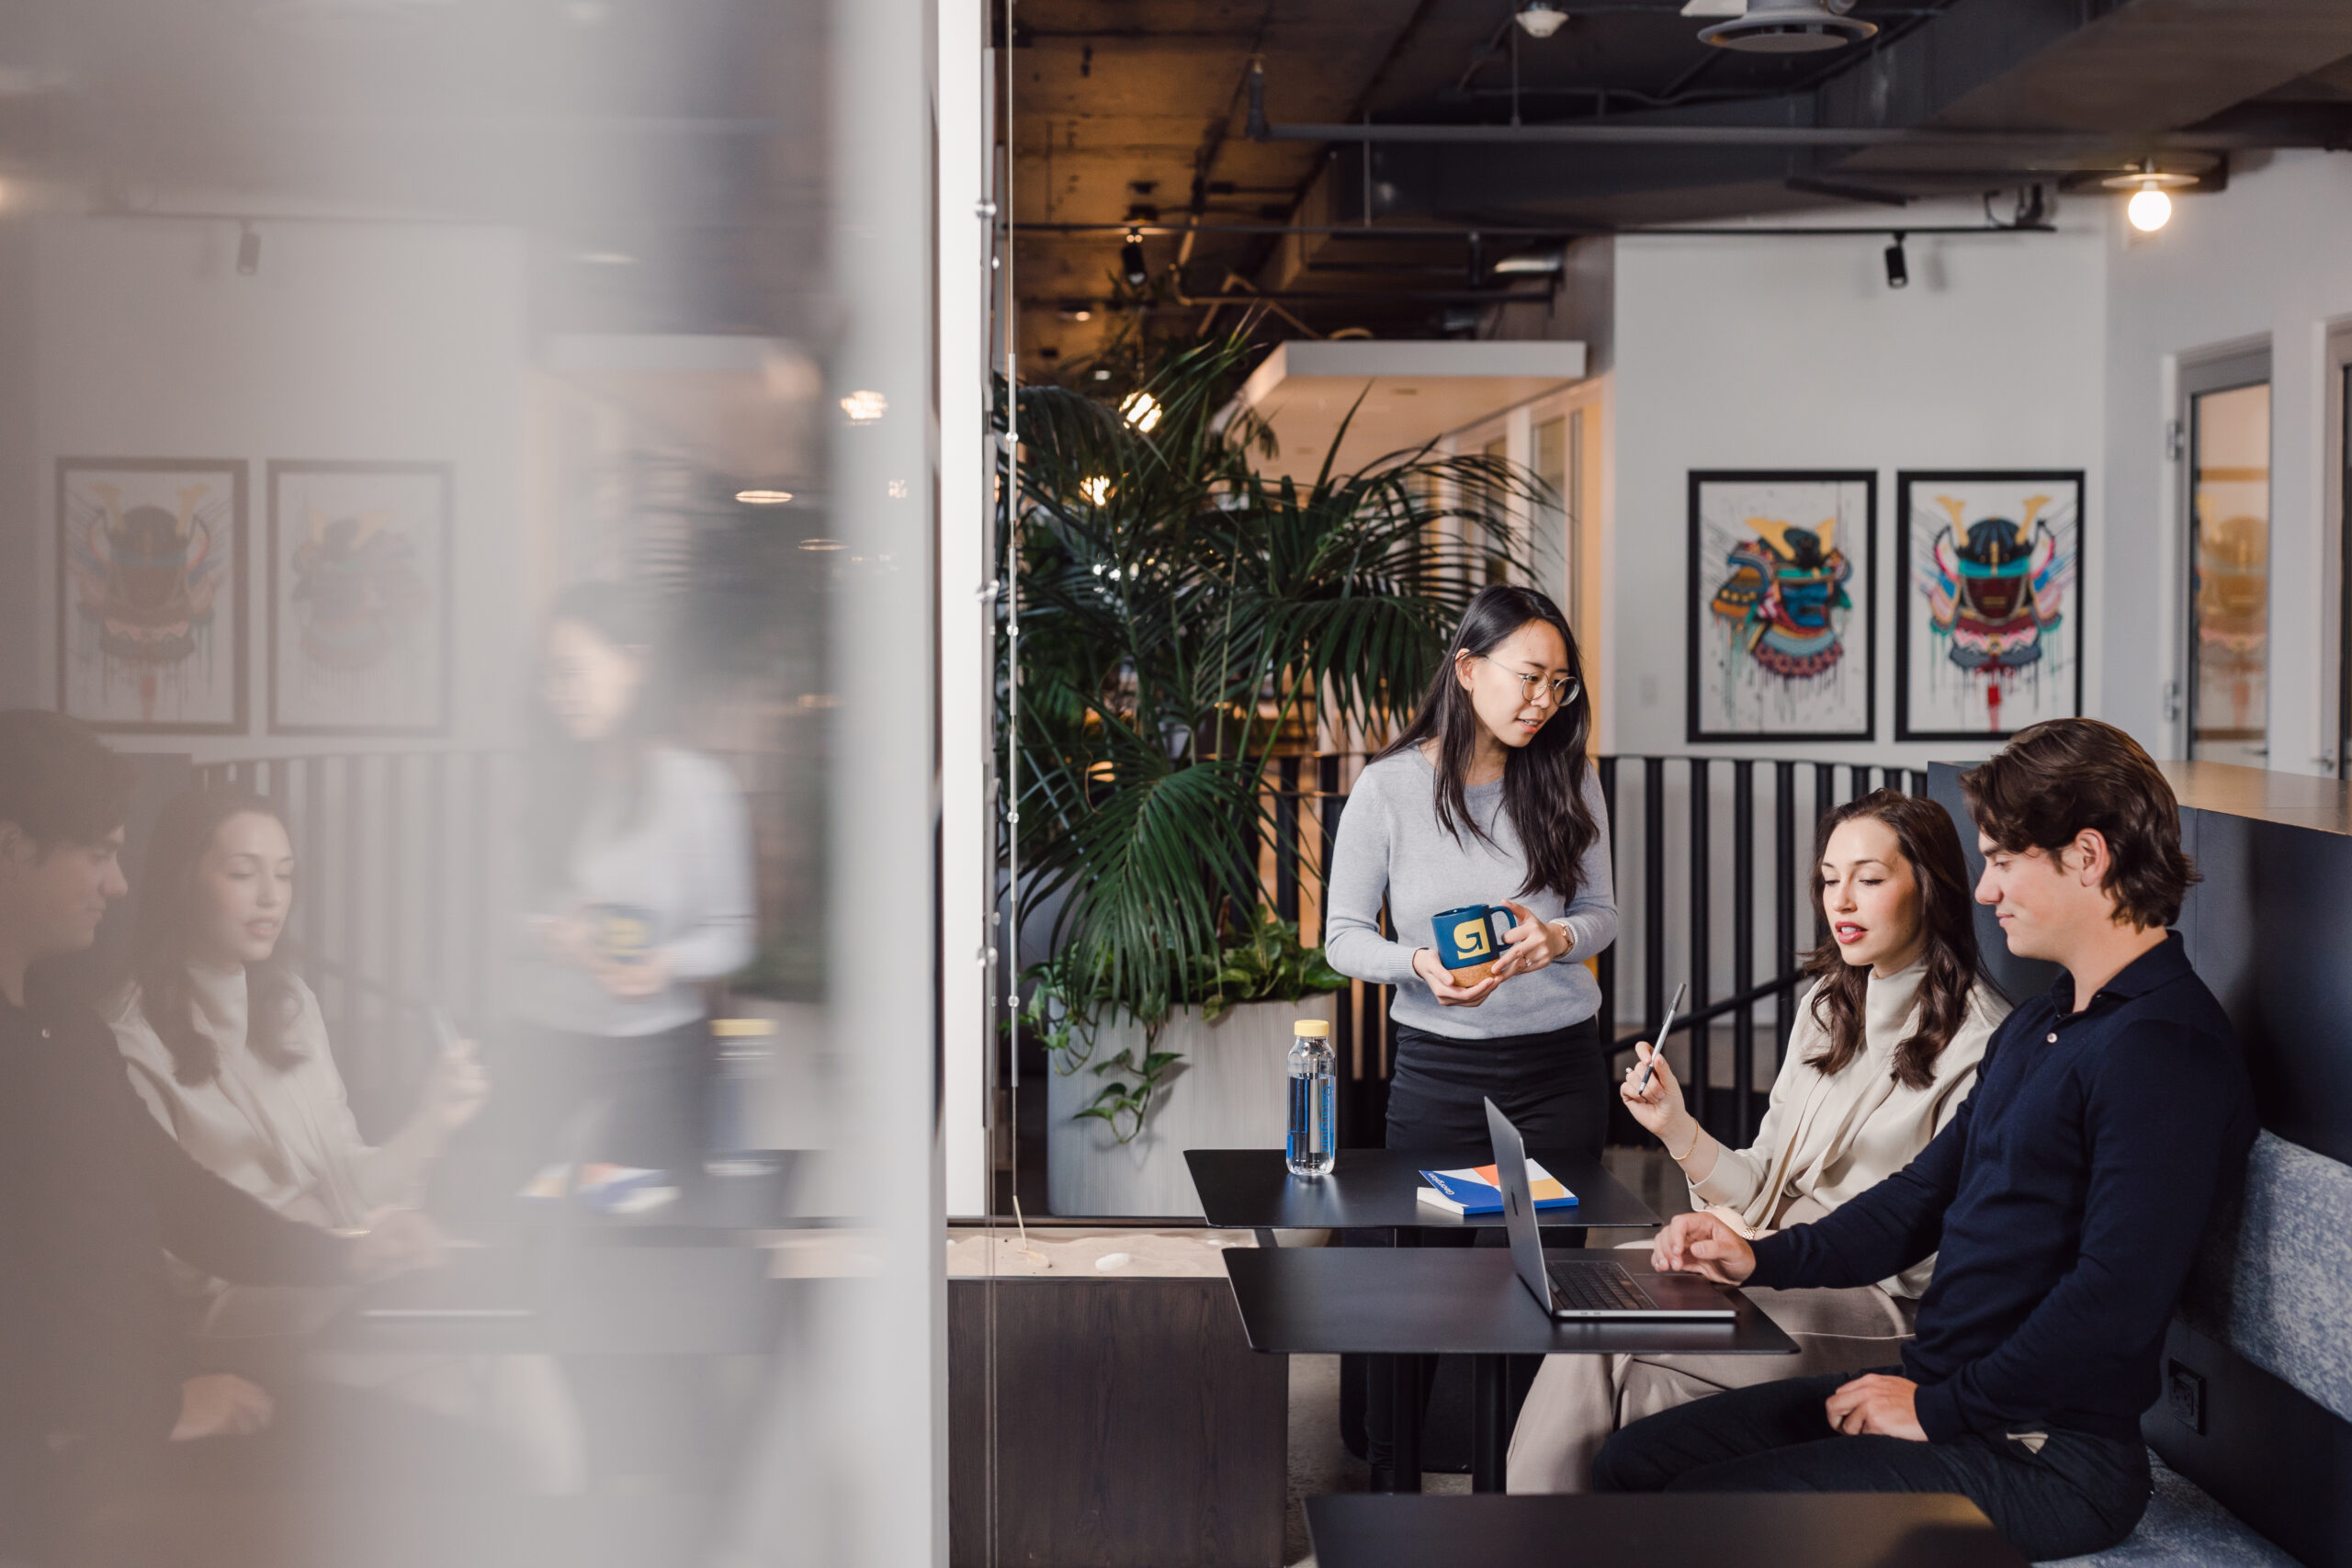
1566	930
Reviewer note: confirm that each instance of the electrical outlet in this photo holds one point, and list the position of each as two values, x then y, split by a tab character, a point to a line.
2185	1396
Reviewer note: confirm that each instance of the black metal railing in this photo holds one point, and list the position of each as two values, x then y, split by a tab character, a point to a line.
1694	907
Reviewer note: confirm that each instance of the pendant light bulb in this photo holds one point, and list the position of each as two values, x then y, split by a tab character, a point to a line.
2150	209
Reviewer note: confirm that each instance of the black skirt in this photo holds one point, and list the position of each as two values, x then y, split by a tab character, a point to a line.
1553	1087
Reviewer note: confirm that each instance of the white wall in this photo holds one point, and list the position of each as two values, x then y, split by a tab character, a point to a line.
2262	261
138	338
1778	353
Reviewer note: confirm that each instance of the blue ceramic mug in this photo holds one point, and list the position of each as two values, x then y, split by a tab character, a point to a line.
1469	940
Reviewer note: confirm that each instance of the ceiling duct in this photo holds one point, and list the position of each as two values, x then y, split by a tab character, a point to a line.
1790	27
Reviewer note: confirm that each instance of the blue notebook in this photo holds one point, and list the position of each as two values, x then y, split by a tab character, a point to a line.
1478	1192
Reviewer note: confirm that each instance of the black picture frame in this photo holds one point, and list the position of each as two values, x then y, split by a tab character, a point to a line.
1697	596
236	584
1906	613
444	582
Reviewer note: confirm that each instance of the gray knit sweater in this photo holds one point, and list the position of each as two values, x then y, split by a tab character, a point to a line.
1391	846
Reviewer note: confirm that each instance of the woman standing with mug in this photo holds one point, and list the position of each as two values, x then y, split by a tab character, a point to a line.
641	862
1487	798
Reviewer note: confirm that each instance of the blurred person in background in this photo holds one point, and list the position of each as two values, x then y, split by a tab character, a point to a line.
227	1048
105	1417
640	866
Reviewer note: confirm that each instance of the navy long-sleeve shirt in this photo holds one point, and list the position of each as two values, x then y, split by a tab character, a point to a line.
2063	1203
92	1192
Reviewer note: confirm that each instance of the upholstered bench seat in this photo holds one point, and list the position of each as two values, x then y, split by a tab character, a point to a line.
2185	1528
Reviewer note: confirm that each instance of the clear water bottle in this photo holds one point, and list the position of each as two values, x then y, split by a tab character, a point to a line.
1313	1112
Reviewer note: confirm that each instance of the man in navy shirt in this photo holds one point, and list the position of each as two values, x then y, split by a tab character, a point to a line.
2063	1203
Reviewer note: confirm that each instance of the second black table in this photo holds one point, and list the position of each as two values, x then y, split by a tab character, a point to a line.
1408	1301
1766	1530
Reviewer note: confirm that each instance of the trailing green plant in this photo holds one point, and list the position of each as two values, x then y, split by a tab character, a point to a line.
1269	963
1183	616
1266	963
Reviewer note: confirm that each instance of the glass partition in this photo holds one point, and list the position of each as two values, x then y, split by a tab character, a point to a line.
481	458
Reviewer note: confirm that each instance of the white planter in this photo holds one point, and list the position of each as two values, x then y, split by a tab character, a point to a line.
1232	1093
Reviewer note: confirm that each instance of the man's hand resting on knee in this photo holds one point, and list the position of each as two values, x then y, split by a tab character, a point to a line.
1701	1244
1879	1405
221	1404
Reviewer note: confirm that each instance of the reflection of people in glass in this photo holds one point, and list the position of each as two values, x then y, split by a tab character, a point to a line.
102	1410
640	894
227	1045
229	1050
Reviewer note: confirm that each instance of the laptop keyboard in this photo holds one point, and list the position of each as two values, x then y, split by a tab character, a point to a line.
1595	1287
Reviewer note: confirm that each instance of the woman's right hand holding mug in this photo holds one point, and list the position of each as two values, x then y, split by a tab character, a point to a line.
1440	980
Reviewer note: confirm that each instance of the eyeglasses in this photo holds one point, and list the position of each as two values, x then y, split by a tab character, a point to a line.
1563	689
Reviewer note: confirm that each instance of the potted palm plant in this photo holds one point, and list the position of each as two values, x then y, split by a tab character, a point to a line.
1185	620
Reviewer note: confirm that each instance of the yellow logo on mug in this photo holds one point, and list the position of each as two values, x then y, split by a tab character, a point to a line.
1470	938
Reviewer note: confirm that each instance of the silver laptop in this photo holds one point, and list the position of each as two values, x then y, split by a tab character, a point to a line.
1585	1290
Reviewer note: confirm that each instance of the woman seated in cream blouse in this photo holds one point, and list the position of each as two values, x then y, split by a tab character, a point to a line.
1883	1049
227	1047
226	1043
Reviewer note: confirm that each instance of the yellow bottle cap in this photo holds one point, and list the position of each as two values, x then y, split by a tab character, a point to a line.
1311	1029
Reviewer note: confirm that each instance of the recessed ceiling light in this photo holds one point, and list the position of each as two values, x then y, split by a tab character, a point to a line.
821	543
763	497
865	407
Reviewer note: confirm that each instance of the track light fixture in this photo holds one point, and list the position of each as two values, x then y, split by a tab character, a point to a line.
1898	265
2149	208
1131	263
1541	19
1790	27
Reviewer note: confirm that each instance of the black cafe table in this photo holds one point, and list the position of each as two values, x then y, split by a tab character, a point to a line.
1753	1530
1407	1301
1375	1190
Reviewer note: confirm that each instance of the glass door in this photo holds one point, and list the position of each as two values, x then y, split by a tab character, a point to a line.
2227	427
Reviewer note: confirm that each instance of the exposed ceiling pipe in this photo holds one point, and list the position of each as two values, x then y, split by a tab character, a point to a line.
1619	132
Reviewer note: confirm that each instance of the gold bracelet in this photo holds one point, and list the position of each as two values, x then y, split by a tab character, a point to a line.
1696	1134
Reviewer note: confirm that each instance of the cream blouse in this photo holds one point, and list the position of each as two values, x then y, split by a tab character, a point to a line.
1826	1138
286	1136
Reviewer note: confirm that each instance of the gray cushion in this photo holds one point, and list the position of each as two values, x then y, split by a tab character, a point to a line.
2185	1528
2270	1282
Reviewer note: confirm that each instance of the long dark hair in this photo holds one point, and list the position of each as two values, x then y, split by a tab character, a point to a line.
1931	844
563	774
1543	781
163	943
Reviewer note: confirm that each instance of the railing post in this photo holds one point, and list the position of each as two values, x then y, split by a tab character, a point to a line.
1286	839
1785	915
1742	946
478	859
1605	971
351	878
1652	892
1701	901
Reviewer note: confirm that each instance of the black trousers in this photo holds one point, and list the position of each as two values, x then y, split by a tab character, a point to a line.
1553	1087
2073	1493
